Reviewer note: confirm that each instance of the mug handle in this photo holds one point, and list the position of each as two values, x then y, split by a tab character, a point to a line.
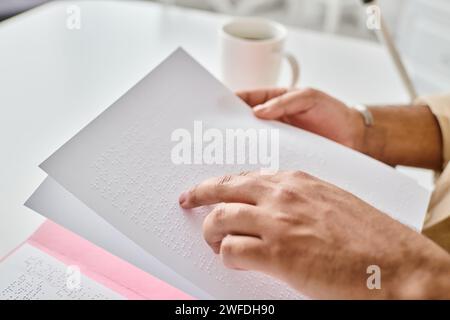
295	69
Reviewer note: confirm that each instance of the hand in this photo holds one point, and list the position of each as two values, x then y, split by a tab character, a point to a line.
316	237
401	135
311	110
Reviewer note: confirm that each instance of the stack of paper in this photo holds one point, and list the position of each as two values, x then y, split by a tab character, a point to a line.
117	182
31	274
54	263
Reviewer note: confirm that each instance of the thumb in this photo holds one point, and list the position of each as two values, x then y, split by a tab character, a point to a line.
288	104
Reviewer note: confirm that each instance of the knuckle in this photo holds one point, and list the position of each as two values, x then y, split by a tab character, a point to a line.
278	174
240	211
283	219
285	194
249	182
217	216
244	173
193	195
320	187
212	229
300	175
254	183
311	92
224	180
227	247
207	228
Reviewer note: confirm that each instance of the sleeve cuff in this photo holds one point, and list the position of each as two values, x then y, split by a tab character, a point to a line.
440	107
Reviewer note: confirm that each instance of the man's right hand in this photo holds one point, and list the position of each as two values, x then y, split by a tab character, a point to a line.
316	237
311	110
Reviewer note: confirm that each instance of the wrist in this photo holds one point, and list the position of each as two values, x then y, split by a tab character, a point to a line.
370	138
359	131
403	135
424	284
427	276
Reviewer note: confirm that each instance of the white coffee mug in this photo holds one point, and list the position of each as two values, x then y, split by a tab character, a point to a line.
252	53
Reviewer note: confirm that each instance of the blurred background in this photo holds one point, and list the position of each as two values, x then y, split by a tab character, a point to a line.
421	27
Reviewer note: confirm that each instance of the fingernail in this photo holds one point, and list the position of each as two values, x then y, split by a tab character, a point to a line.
183	198
260	108
263	111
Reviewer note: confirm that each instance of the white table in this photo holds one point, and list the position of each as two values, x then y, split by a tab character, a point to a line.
53	80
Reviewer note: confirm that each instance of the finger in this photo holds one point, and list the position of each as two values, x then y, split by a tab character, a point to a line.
271	177
233	219
228	188
244	253
285	105
294	178
259	96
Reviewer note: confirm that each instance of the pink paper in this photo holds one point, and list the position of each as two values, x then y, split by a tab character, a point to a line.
100	265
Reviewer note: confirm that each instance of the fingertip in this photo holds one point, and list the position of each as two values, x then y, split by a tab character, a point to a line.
183	200
263	112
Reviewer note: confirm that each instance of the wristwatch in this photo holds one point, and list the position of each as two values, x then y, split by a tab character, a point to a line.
365	112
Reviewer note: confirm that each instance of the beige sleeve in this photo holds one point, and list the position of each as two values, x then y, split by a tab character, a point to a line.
440	106
437	223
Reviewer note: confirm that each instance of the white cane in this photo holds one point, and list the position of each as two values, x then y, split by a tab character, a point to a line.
385	38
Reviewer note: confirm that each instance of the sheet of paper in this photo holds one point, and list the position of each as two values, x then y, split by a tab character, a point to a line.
31	274
55	203
120	166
